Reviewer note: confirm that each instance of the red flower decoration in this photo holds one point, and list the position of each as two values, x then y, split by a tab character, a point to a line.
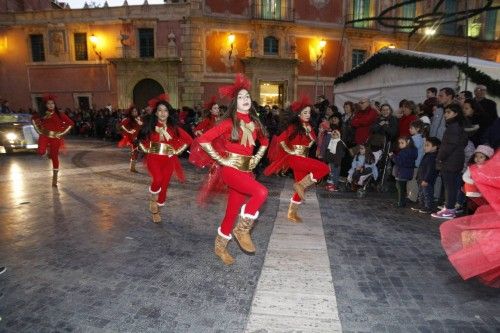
48	97
240	82
208	105
299	105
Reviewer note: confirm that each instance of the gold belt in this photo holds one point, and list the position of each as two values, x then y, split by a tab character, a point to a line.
50	134
301	150
240	162
161	149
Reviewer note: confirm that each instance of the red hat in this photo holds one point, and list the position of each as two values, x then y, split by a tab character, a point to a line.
299	105
208	105
48	97
153	102
240	82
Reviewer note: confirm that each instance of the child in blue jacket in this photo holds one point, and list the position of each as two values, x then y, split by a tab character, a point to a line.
426	176
404	163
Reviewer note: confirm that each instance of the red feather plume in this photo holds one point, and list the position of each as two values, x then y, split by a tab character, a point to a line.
240	82
154	101
300	104
49	97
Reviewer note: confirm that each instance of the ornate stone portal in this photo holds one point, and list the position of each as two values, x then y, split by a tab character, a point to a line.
130	71
283	72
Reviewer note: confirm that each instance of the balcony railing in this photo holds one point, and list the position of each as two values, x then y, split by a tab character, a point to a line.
272	10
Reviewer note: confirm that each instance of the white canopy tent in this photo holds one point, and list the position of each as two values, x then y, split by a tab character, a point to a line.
390	84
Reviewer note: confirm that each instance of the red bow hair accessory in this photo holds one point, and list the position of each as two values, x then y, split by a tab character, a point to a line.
48	97
208	105
153	102
299	105
240	82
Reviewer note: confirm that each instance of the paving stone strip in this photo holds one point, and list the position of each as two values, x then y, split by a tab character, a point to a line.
295	290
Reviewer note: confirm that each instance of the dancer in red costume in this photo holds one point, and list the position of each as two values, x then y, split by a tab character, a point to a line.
162	140
211	108
472	243
290	150
231	143
52	125
130	127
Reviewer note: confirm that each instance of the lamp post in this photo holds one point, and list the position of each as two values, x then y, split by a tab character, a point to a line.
93	41
319	56
230	40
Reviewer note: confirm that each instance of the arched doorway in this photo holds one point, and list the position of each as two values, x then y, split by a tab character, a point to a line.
144	90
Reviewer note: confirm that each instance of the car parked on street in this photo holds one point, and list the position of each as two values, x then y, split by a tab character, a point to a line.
17	133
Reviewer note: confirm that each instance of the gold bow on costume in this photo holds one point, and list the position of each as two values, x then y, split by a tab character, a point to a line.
163	133
247	129
308	131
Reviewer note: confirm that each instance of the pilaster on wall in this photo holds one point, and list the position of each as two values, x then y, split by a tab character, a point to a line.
192	63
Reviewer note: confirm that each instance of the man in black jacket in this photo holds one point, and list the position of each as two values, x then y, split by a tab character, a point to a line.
489	106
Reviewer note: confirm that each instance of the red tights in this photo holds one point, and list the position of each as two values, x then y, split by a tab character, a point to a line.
160	168
302	166
53	145
241	185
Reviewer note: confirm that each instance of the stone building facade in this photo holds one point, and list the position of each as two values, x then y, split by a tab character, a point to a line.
93	57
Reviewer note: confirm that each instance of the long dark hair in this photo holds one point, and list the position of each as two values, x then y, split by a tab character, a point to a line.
458	110
231	114
130	117
44	109
290	118
150	121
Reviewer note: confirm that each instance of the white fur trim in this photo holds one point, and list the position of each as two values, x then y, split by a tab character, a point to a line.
150	191
160	204
295	202
249	216
473	194
312	178
222	235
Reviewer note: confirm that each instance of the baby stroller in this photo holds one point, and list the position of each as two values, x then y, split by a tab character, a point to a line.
380	148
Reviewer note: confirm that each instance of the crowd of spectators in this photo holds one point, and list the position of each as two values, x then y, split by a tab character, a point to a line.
430	142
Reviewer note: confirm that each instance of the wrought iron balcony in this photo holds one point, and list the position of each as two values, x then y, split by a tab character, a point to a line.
272	10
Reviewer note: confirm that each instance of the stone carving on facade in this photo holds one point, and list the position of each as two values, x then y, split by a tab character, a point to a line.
57	42
172	46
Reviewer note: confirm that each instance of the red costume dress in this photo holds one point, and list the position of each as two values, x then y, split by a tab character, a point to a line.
162	148
292	152
52	127
206	124
238	176
472	243
130	130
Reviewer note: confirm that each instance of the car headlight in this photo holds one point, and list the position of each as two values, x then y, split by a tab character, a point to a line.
11	136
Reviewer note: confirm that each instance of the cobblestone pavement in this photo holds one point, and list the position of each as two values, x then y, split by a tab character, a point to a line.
87	258
391	274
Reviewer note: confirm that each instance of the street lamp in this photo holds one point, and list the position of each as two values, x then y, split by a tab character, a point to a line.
319	56
230	40
94	40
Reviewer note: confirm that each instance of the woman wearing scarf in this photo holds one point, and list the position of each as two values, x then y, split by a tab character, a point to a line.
231	144
162	140
290	150
130	127
52	125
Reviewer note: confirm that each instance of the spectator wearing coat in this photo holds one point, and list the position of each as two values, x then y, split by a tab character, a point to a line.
489	106
438	122
363	121
408	108
386	124
404	163
451	158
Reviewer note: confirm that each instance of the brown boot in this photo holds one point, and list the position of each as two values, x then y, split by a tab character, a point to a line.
242	231
157	216
54	177
132	166
221	249
293	215
154	208
301	186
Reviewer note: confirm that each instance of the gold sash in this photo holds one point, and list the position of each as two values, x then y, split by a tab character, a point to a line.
163	133
246	137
